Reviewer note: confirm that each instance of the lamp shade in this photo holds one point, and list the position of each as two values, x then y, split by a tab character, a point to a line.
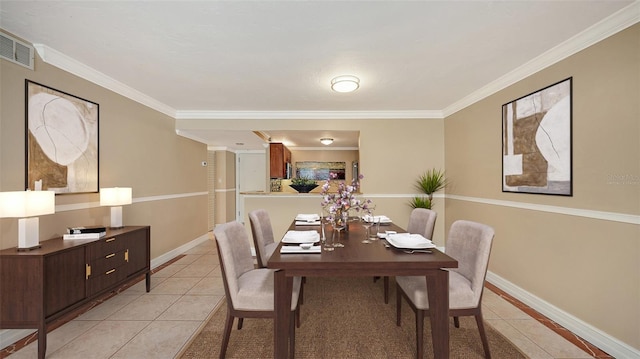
21	204
116	196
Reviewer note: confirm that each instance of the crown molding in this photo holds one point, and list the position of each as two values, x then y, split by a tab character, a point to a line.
607	27
323	148
306	115
73	66
617	22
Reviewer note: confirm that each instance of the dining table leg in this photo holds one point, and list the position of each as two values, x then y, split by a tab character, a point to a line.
438	292
283	287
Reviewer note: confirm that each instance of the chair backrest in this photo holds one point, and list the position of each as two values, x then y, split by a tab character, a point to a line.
234	252
422	221
470	244
262	234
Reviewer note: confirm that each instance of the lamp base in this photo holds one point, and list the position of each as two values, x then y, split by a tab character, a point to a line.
116	217
29	249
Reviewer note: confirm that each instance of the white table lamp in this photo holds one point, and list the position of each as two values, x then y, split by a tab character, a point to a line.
26	205
115	197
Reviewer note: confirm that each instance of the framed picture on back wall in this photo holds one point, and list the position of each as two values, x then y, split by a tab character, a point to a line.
61	141
536	142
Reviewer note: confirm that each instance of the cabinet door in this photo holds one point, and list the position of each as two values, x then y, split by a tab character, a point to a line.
64	279
276	160
138	245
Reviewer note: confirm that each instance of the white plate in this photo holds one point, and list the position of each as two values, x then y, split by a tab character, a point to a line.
298	249
298	237
409	241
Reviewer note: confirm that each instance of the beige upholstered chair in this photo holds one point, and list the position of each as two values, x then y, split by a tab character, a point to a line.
470	244
249	290
263	240
422	221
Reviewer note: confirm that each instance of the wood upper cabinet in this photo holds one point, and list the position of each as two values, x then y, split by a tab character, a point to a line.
279	156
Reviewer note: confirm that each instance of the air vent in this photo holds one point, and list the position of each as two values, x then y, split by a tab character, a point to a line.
16	51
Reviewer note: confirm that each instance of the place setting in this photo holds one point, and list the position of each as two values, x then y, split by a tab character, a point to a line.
408	242
301	242
305	219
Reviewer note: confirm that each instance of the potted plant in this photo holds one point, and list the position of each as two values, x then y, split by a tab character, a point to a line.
303	184
431	181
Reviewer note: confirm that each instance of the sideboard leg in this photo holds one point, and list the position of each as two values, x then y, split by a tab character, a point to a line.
42	340
148	281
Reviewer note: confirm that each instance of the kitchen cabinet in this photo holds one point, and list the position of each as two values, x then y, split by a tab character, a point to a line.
39	286
280	161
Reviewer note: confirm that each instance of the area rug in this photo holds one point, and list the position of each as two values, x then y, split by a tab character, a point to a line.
345	318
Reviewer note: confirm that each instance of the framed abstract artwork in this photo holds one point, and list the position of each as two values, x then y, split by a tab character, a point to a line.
537	142
61	141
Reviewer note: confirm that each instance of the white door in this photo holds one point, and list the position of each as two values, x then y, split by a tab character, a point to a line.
251	175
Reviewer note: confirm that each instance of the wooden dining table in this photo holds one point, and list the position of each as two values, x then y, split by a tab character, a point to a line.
362	259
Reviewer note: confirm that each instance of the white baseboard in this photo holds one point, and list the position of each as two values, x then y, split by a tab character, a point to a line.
10	336
600	339
158	261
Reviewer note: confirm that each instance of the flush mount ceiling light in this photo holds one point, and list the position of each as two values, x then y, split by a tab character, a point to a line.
326	141
345	83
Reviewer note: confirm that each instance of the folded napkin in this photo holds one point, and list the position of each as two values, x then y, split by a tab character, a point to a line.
301	237
381	219
307	223
298	249
307	217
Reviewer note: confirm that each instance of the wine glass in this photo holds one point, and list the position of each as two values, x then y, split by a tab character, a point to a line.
367	222
327	245
338	226
375	223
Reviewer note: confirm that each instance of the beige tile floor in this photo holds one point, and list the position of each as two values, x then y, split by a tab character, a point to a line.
159	324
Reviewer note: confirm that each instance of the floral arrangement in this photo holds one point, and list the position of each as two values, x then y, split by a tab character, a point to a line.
344	199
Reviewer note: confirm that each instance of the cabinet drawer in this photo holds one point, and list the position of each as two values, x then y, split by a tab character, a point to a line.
106	246
99	281
109	261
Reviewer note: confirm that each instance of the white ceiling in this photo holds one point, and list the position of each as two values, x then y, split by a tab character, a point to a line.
271	59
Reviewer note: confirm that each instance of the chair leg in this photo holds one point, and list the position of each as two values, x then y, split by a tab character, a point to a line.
301	295
297	314
386	290
240	321
292	336
398	305
419	332
456	322
227	333
483	336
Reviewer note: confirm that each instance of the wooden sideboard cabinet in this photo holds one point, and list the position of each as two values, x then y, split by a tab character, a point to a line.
39	286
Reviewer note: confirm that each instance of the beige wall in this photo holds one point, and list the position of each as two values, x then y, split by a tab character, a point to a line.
138	148
225	187
393	153
586	266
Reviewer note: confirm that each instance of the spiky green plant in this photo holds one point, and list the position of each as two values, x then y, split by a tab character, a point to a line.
431	181
303	181
420	202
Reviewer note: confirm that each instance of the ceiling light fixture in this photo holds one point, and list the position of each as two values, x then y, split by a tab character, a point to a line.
345	83
326	141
